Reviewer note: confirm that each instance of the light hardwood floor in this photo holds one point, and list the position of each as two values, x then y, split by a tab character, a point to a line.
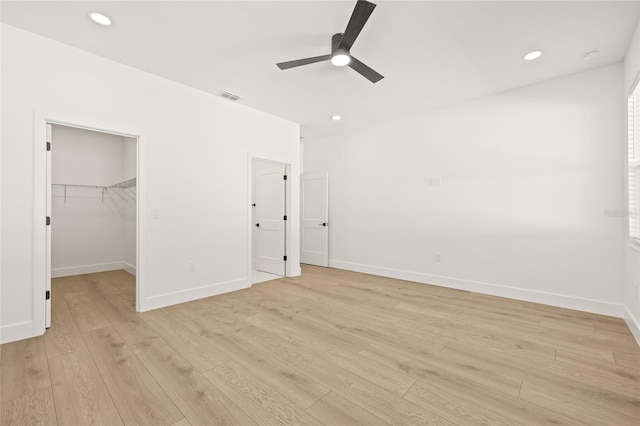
330	347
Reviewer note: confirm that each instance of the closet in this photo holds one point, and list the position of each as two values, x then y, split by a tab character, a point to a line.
93	202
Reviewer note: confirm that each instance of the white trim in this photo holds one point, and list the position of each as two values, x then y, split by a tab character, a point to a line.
545	298
636	81
18	331
129	268
633	324
86	269
38	319
296	271
175	297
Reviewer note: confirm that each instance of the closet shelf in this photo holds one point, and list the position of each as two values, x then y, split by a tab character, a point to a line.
130	183
76	185
103	189
126	190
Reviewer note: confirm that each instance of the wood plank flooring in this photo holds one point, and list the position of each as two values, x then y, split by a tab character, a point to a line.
328	348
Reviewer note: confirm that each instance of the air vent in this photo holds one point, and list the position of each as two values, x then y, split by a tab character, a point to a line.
230	96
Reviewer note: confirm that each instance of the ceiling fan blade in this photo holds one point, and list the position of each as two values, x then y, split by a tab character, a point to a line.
359	17
300	62
365	71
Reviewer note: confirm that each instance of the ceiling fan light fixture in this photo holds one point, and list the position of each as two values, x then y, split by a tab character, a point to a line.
340	58
99	18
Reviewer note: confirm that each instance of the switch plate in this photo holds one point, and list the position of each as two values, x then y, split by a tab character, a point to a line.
192	266
155	213
434	181
437	257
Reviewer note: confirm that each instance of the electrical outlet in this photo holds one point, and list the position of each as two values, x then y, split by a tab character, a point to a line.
192	266
437	257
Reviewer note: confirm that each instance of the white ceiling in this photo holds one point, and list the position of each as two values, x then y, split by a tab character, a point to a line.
432	53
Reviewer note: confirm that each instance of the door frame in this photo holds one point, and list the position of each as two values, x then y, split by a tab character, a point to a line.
42	187
289	268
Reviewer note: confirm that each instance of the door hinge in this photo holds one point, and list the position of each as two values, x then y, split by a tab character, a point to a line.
285	217
285	258
47	295
48	146
48	220
285	177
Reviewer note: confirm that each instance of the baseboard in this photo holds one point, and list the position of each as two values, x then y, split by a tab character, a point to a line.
13	332
552	299
86	269
295	271
129	268
633	324
173	298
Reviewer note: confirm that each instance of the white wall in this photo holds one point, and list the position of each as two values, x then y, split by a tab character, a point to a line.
527	177
88	231
632	251
193	151
81	156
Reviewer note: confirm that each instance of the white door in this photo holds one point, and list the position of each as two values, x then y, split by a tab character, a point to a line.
47	303
315	219
270	197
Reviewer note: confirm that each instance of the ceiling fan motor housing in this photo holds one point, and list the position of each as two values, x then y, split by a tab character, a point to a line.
335	42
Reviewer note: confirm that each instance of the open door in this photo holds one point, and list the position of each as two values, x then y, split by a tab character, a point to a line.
315	219
47	303
270	200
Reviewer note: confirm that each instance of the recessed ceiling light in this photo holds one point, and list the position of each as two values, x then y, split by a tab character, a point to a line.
535	54
592	54
336	118
99	18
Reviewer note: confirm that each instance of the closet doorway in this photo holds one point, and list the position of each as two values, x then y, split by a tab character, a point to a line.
91	203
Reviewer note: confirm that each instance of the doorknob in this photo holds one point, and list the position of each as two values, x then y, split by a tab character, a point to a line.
324	224
257	225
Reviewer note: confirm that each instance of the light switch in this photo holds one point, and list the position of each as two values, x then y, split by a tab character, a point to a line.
155	213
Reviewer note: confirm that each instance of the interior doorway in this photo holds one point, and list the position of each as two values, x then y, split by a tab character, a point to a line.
92	204
269	220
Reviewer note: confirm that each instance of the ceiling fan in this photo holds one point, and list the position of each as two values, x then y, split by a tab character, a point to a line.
341	45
